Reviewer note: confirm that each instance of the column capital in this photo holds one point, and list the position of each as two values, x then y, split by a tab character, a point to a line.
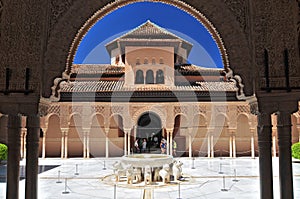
169	130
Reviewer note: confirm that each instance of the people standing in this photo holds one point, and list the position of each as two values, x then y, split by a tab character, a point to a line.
163	146
136	145
174	148
144	145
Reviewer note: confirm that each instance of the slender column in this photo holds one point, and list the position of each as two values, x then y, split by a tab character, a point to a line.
234	146
252	144
33	134
24	142
84	144
23	133
106	142
285	159
168	142
88	144
230	146
212	155
66	145
264	131
128	141
62	150
44	144
171	142
274	146
13	160
208	145
190	146
125	142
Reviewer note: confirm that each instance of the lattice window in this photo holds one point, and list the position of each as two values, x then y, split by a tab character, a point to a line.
243	109
54	109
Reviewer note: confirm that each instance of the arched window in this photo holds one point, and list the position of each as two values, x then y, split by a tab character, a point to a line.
153	61
138	61
139	77
149	77
146	61
160	79
161	61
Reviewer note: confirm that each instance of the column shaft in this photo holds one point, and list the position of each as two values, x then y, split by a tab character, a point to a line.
88	145
33	134
285	158
190	146
128	143
125	143
44	145
212	146
264	131
168	142
208	145
13	160
252	147
106	142
230	146
84	144
234	146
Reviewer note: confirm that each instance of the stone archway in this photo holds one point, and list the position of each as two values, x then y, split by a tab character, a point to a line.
226	22
150	127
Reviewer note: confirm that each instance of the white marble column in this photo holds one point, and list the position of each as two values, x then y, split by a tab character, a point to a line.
171	142
125	142
230	146
128	140
234	146
252	144
62	144
208	145
212	152
66	144
106	143
32	147
84	144
168	142
88	144
44	143
13	159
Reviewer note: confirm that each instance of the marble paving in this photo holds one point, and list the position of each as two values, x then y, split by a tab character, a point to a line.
223	178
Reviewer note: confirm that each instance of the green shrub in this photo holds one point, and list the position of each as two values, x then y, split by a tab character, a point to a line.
296	150
3	152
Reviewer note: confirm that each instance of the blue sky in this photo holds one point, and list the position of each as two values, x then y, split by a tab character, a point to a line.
92	48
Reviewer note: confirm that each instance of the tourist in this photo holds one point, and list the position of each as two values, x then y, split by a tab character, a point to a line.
136	145
144	145
163	146
174	147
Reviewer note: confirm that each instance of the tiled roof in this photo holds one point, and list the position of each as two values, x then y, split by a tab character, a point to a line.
97	69
110	86
149	30
199	70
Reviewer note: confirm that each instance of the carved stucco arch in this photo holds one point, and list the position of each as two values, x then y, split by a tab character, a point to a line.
200	114
230	30
158	112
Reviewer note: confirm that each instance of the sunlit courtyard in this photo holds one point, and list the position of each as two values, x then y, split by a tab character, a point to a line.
202	178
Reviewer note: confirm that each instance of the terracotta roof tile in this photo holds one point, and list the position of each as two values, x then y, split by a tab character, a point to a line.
110	86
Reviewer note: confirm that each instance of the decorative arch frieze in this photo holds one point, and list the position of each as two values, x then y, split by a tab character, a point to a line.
157	110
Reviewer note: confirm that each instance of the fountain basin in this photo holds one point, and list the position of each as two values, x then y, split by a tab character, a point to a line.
141	160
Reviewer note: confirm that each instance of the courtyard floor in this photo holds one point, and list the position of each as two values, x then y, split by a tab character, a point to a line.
208	179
